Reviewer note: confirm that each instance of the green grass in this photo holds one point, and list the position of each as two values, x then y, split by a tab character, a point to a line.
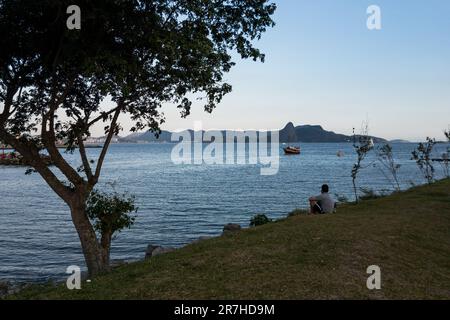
302	257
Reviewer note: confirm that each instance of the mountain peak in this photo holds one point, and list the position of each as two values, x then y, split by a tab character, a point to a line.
288	134
289	126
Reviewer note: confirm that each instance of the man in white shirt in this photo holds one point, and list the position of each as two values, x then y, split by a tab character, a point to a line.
322	203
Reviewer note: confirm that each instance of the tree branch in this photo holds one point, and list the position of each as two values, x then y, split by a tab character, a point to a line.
102	116
10	93
84	159
31	154
49	140
107	142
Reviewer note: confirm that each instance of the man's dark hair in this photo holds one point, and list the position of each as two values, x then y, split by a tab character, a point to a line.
325	188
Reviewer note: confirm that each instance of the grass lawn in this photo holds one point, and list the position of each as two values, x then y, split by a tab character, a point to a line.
301	257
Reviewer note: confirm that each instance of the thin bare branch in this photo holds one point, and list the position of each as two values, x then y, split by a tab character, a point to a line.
49	140
107	141
102	116
84	159
9	99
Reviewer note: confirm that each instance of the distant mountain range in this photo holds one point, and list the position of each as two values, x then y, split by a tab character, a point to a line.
289	134
311	133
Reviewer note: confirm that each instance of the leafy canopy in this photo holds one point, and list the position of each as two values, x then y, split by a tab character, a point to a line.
140	54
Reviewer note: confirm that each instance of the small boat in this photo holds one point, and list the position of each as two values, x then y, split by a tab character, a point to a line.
340	154
291	150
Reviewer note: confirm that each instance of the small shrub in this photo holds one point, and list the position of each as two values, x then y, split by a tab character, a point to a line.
362	145
386	159
422	156
110	214
259	220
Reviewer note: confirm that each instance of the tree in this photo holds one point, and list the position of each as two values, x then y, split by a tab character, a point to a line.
133	55
386	159
422	156
362	144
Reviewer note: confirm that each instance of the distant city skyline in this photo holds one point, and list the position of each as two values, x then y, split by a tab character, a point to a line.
324	67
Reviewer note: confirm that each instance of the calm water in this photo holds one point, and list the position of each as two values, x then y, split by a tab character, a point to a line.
177	203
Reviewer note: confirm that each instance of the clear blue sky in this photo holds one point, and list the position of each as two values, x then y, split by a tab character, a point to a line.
325	67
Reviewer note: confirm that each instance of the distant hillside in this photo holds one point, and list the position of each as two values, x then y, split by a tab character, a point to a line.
149	137
310	133
399	141
289	134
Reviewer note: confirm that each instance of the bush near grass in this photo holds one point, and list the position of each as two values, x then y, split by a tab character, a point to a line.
259	220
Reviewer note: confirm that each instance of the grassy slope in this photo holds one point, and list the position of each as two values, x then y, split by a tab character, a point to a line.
302	257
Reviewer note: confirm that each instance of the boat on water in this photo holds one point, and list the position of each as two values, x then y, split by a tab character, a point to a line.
291	150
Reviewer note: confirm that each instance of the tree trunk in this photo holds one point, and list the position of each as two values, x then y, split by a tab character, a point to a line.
106	247
355	190
93	252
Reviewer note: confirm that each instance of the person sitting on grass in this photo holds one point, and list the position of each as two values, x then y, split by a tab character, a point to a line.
322	203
